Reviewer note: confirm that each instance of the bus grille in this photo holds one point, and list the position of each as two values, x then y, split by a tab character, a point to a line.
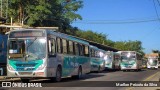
25	67
25	73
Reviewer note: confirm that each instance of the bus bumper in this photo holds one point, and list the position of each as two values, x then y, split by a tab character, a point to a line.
40	73
149	67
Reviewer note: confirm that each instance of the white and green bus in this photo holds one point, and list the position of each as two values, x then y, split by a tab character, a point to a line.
131	60
152	62
112	60
42	53
96	58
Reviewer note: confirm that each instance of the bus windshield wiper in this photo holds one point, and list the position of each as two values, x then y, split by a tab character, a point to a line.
26	55
31	43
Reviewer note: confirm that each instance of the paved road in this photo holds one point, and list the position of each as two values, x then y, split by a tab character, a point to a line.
92	80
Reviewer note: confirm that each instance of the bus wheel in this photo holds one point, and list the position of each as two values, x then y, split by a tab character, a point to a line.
79	75
25	80
58	77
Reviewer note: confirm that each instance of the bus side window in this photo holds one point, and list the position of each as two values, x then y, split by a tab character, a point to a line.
59	45
86	51
76	49
70	49
81	48
64	44
53	47
93	53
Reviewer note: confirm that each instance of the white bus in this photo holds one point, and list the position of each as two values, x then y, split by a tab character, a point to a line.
112	60
131	60
42	53
152	62
97	59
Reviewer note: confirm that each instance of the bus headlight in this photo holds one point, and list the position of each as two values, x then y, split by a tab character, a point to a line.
42	66
10	67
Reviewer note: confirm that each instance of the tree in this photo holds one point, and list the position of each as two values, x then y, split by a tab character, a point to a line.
59	13
130	46
155	51
95	37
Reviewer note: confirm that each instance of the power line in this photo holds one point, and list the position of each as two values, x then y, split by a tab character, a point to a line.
116	22
156	9
158	2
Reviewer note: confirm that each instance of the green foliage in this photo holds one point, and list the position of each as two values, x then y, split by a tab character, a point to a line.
93	36
130	46
155	51
59	13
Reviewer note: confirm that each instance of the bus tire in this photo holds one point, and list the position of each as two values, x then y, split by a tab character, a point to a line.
25	80
58	77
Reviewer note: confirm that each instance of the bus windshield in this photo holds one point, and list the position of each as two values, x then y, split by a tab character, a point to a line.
128	56
31	49
108	58
153	61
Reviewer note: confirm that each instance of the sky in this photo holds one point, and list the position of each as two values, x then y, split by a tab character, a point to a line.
98	16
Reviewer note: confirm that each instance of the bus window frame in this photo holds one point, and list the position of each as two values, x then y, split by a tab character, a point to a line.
76	49
69	48
63	46
59	46
50	41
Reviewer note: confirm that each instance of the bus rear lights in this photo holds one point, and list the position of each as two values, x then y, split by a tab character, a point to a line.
39	73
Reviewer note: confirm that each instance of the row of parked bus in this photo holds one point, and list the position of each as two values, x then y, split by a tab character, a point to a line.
43	53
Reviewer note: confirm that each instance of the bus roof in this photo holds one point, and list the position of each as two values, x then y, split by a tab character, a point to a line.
53	32
69	37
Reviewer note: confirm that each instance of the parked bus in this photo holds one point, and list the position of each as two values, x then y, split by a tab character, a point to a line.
117	60
42	53
102	54
97	60
131	60
152	62
112	60
3	53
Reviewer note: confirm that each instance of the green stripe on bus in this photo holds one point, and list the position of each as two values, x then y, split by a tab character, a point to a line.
37	63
